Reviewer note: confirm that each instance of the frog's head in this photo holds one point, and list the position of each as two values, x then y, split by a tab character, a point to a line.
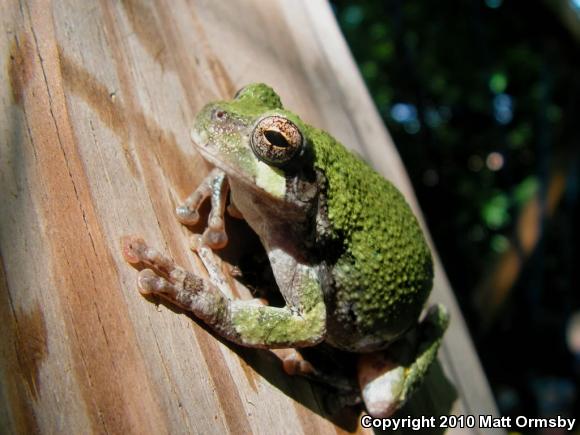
253	139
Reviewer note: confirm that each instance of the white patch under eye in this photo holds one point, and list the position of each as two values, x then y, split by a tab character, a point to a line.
199	138
270	179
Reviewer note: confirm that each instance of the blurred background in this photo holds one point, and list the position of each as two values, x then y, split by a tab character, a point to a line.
482	98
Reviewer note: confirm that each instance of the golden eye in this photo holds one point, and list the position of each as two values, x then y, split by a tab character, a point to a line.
276	140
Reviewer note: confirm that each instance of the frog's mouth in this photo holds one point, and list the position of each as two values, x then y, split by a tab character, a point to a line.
264	180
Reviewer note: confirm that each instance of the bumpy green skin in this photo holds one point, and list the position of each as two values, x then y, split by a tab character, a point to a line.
436	321
257	96
384	274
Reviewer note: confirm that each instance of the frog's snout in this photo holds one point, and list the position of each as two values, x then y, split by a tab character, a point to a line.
200	139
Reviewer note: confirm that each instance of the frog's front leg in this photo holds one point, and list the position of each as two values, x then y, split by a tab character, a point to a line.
215	185
292	360
247	322
388	378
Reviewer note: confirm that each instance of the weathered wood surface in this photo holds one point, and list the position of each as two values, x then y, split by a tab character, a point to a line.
95	107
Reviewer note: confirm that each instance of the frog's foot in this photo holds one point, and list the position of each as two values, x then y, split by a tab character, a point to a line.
234	212
152	262
214	186
160	275
386	378
294	364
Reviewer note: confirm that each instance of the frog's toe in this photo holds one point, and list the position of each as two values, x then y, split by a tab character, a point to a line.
215	238
234	212
211	238
152	263
293	363
186	215
149	282
195	242
133	249
137	253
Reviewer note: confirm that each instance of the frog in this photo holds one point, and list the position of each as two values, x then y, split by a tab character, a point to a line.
347	253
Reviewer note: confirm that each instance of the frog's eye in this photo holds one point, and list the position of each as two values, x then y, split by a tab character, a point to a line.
276	140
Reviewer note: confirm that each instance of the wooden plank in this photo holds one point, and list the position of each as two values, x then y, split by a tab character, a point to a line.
95	144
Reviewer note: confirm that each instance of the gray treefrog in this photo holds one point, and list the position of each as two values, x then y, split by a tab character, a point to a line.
346	251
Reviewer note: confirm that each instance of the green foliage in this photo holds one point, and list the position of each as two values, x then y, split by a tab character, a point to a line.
495	211
498	83
524	191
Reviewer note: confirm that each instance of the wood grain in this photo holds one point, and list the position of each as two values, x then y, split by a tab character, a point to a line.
94	127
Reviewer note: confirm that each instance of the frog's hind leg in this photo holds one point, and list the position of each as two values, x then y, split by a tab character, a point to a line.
388	378
214	186
294	364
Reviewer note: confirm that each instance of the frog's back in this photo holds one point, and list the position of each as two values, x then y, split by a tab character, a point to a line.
384	271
